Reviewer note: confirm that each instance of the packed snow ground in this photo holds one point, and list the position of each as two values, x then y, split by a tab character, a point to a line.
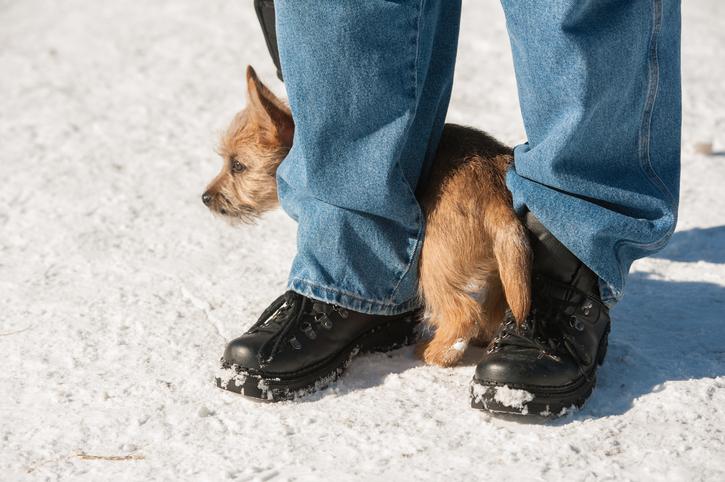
118	290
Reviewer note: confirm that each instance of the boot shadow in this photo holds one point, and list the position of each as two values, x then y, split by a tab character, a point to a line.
368	370
662	332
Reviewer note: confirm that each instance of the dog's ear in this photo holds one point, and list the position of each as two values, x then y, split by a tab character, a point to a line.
269	110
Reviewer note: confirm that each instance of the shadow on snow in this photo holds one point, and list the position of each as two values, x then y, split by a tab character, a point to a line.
697	244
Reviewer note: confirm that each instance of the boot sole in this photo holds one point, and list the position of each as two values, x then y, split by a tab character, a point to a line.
289	386
536	400
530	400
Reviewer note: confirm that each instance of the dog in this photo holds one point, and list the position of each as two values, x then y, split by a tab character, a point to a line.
475	262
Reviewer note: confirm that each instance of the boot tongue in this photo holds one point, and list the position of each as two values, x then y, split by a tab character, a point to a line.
554	261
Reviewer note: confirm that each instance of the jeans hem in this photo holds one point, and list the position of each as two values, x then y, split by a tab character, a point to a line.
609	294
349	300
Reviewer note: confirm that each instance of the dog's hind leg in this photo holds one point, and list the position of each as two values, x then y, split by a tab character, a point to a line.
455	315
446	276
493	308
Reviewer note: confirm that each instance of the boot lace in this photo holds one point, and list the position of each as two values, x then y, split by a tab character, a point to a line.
547	329
288	312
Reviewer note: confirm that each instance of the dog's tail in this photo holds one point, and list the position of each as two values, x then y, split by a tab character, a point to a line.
513	255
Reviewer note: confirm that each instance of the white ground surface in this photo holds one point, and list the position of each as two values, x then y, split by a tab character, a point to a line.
118	290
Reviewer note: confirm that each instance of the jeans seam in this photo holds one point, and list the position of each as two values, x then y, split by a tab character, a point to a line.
652	91
416	95
645	160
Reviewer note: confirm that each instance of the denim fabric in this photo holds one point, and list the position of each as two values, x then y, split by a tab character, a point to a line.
369	83
599	88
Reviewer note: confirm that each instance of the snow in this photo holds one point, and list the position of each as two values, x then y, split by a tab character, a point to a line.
512	397
508	397
229	375
118	290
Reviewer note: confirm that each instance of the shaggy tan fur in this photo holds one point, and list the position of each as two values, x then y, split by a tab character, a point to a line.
475	261
476	254
258	138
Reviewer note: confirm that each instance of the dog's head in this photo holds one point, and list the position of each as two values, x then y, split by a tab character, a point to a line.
252	148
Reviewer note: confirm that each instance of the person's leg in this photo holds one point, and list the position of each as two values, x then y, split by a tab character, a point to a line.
599	87
369	84
597	184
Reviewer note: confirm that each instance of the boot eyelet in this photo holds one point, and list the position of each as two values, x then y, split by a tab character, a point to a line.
308	331
576	323
325	322
295	343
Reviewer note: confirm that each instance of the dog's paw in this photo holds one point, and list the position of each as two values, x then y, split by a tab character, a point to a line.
442	353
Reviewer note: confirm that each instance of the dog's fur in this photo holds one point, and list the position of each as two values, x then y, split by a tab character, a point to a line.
475	259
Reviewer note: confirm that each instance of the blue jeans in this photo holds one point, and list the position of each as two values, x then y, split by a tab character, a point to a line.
369	84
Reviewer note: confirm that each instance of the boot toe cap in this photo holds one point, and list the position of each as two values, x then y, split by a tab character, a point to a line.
525	371
243	352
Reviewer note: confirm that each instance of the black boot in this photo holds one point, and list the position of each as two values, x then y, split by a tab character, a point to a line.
300	345
549	363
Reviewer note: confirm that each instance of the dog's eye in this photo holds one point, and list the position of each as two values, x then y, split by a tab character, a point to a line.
237	166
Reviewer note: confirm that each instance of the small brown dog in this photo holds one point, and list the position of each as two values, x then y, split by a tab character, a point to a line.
475	259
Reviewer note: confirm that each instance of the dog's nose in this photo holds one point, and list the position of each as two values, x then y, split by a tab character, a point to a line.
206	198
